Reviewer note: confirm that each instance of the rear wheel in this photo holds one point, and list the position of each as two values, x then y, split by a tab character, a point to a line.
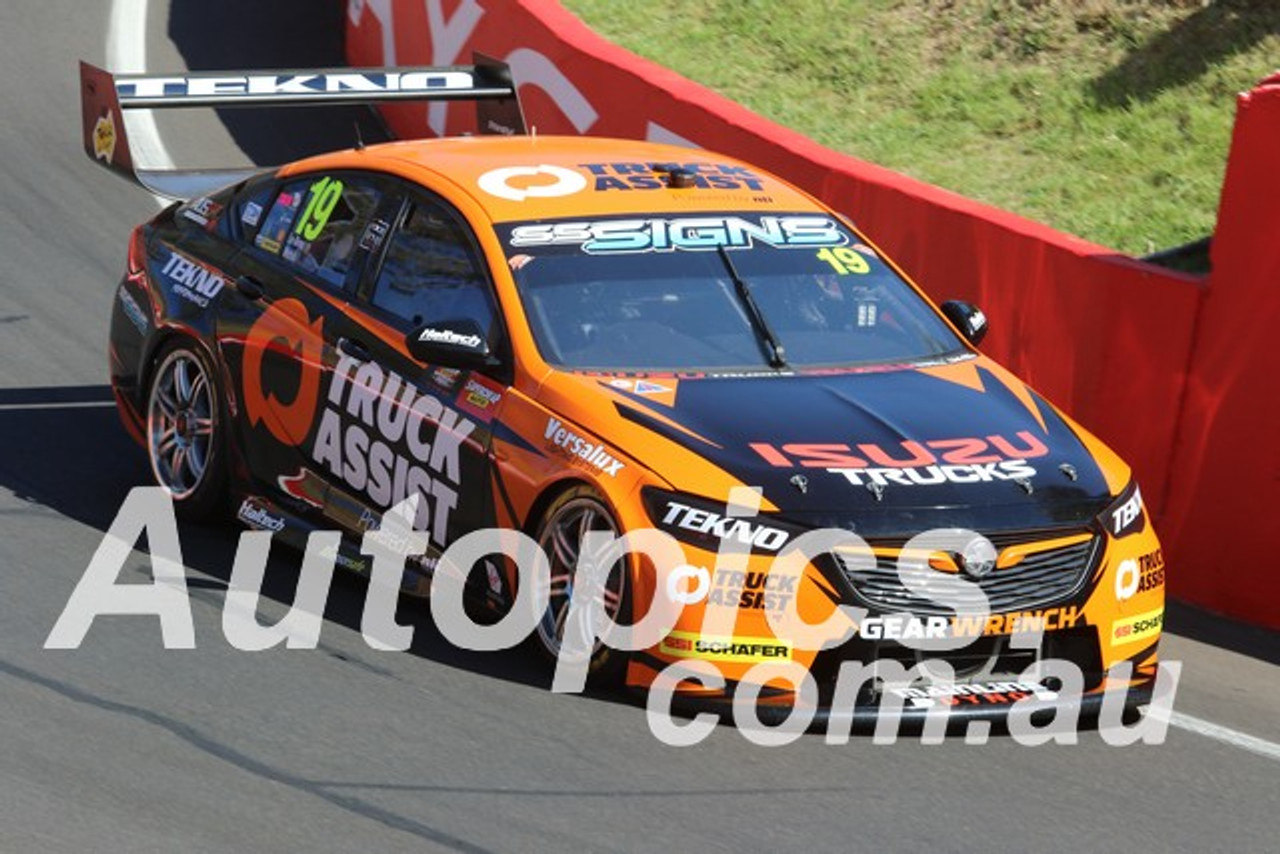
561	535
184	431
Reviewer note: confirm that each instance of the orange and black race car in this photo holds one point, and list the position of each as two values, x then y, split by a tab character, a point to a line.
573	335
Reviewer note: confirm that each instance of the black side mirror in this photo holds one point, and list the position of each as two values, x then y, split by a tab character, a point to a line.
968	318
452	343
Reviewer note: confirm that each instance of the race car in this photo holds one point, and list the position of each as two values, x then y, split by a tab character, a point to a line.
567	336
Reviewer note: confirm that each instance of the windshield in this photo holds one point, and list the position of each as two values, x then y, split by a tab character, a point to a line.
715	292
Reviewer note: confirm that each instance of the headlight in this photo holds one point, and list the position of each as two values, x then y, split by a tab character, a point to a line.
1124	515
706	524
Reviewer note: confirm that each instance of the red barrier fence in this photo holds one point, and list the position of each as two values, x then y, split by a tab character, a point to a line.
1108	338
1225	488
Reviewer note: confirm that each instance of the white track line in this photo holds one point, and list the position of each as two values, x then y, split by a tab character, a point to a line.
127	52
30	407
1244	741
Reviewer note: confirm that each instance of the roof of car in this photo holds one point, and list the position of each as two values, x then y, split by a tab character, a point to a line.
550	177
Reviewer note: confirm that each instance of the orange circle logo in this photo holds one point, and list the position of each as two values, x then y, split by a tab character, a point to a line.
286	328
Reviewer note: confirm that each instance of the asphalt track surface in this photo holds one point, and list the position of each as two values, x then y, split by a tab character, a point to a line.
122	745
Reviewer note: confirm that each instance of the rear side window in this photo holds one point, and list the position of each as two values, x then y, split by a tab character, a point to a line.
430	273
317	224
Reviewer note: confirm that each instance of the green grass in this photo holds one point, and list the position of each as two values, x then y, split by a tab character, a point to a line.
1109	119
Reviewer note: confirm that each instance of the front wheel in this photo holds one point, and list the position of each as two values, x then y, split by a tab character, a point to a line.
561	536
184	431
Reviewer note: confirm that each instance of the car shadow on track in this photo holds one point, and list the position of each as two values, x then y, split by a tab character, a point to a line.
64	448
283	34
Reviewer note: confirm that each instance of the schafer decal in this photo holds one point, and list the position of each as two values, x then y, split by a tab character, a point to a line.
1138	628
377	433
968	460
735	649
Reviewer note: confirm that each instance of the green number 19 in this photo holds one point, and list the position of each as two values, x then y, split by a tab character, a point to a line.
325	194
844	260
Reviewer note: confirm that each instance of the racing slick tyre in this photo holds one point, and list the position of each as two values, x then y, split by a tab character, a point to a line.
185	431
560	535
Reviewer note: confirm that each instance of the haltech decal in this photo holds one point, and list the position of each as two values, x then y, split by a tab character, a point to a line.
1139	628
735	649
257	516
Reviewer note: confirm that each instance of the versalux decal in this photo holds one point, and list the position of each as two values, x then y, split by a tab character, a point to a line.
702	233
577	447
192	281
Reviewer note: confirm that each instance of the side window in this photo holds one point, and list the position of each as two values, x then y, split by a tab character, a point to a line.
249	207
430	273
317	224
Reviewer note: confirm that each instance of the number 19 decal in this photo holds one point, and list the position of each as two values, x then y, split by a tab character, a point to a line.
844	260
325	195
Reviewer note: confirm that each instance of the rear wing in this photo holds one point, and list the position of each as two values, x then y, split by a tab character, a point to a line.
104	96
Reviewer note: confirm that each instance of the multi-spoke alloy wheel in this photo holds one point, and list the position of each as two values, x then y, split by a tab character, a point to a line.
182	424
562	537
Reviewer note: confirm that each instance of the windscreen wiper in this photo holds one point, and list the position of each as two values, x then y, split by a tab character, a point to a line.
771	345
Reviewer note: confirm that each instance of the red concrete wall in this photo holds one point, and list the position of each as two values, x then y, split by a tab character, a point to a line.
1222	511
1108	338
